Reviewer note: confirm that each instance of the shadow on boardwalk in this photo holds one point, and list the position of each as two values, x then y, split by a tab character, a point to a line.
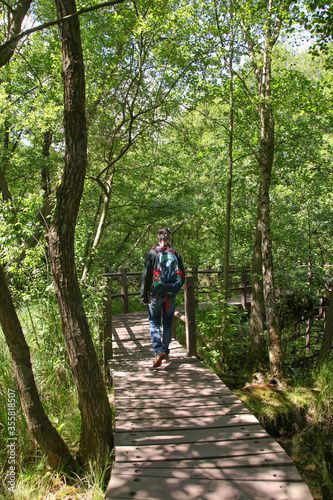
181	434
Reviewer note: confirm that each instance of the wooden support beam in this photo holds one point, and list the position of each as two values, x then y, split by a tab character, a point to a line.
208	284
124	290
189	302
244	289
107	330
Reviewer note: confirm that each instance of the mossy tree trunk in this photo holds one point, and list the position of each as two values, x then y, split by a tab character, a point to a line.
96	440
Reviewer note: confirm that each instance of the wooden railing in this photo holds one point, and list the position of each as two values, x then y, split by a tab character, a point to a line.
192	288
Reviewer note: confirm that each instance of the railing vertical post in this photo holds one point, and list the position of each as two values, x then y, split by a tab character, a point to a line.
124	290
208	283
243	289
231	273
107	330
189	303
195	275
174	328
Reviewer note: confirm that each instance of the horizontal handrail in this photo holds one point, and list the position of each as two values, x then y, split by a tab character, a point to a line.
188	271
242	285
192	287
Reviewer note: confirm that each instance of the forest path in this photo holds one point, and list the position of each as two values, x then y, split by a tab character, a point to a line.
181	434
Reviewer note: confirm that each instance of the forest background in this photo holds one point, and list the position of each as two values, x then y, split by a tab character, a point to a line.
213	118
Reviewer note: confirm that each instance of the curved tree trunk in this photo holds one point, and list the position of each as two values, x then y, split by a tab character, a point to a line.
55	449
96	426
101	225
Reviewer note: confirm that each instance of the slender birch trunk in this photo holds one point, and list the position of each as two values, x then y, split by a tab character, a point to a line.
107	189
230	165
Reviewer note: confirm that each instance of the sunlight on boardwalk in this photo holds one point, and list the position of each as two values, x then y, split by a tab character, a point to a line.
182	434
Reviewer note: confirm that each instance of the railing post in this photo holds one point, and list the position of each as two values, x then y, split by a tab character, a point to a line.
107	330
208	283
244	289
124	290
195	275
189	303
173	328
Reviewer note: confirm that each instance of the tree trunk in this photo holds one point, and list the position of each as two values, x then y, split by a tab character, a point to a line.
326	344
96	426
263	72
55	449
230	166
256	357
46	183
276	357
6	194
101	225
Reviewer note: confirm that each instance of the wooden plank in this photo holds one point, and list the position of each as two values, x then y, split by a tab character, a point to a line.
122	486
166	377
189	435
158	387
270	473
176	393
182	451
170	375
169	382
248	461
176	353
159	413
136	354
181	402
189	423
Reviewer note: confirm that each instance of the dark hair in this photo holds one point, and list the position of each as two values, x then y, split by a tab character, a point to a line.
164	233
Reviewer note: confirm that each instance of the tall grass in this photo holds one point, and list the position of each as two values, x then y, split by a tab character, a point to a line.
42	328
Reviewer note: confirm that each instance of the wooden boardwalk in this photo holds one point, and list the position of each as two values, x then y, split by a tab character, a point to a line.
181	434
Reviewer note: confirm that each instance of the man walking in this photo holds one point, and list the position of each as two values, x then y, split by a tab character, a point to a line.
163	276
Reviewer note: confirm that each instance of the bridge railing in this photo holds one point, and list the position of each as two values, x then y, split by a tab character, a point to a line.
197	281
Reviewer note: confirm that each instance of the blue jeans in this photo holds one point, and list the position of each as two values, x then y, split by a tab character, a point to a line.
161	309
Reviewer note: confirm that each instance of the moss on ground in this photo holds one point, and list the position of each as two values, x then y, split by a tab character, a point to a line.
291	415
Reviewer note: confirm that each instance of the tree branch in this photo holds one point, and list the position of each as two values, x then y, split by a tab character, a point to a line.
16	37
8	48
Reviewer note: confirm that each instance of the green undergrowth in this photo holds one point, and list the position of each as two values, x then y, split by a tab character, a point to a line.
33	479
300	419
37	482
